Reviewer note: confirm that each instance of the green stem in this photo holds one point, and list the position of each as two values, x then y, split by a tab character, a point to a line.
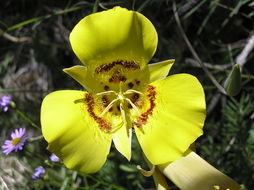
104	183
27	119
35	138
36	19
21	90
95	6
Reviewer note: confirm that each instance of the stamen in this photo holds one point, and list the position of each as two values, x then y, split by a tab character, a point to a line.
108	107
131	91
107	93
145	172
133	105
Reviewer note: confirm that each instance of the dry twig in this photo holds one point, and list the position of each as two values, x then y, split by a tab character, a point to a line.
241	59
194	53
16	39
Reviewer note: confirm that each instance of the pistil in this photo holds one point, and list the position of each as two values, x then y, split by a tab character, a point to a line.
121	97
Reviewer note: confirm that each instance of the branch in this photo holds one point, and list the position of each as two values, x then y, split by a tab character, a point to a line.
194	53
15	39
194	63
242	57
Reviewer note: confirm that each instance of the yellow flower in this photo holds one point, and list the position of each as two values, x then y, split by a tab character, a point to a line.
123	93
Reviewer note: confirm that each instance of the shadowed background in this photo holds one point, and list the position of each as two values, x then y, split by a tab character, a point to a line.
34	48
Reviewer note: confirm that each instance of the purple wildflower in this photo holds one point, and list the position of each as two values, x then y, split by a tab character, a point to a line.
39	172
54	158
19	138
5	101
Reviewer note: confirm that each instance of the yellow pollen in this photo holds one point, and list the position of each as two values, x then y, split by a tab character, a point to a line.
15	141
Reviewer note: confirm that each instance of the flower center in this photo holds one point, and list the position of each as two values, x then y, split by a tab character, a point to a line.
121	99
16	141
125	98
134	107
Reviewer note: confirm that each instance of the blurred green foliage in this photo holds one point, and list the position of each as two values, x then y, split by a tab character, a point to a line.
35	48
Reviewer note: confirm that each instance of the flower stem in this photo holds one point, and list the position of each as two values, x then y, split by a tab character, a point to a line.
95	6
35	138
27	119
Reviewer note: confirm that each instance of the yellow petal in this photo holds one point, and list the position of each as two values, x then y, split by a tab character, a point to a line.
122	141
115	34
175	120
80	74
192	172
71	132
160	70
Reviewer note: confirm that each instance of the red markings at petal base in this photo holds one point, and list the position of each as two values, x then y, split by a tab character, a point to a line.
103	124
108	66
142	119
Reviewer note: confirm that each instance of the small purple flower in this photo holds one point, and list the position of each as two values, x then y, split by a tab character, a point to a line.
54	158
5	101
39	172
19	138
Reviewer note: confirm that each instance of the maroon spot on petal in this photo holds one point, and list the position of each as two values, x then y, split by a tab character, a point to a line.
137	82
130	85
134	98
117	79
105	101
106	87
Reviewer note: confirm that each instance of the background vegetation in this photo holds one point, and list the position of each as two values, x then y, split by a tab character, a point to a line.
34	48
